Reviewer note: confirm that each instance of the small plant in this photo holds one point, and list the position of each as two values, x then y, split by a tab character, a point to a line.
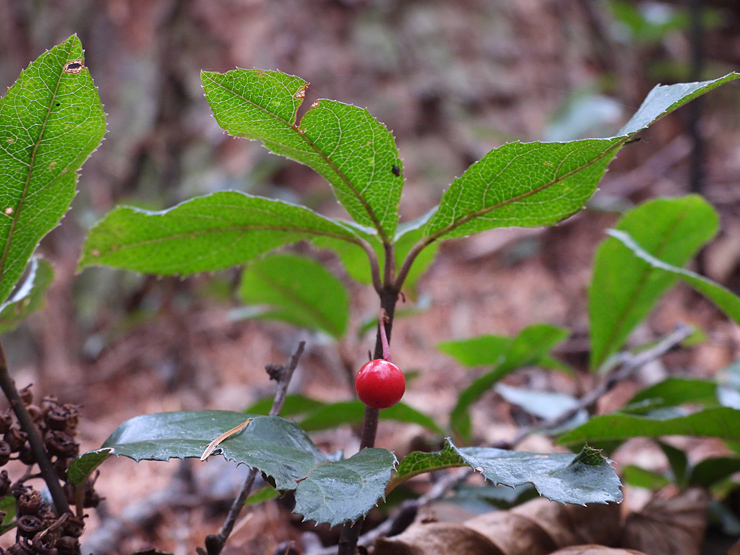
518	184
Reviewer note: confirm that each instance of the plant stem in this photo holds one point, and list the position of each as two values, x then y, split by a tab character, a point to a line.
34	439
214	544
388	299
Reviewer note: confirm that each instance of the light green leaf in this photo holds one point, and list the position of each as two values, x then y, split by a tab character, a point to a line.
343	143
202	235
51	120
347	489
643	478
625	289
534	184
725	299
722	422
28	296
529	347
522	185
664	99
299	291
477	351
673	392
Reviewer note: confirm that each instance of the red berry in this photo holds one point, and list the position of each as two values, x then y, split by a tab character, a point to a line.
380	384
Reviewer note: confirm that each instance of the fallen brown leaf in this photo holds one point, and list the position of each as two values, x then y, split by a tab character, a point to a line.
673	526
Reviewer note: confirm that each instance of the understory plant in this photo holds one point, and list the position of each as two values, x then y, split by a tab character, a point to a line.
516	185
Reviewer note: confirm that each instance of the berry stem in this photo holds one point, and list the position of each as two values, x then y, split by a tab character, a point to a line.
388	299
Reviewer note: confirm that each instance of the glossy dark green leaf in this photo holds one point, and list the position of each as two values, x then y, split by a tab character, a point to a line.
624	289
81	468
722	422
51	120
678	461
343	143
327	490
28	296
297	290
586	477
202	235
347	489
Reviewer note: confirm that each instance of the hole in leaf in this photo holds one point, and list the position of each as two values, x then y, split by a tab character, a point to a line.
75	66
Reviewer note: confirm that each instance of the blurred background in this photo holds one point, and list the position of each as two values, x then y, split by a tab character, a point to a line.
452	80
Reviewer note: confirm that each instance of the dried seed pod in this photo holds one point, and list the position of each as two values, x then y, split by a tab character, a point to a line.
26	395
4	452
26	456
6	421
35	413
19	549
4	483
29	525
15	438
68	545
56	419
61	444
73	527
29	502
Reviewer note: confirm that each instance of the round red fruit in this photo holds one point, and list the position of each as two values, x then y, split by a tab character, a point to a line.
380	384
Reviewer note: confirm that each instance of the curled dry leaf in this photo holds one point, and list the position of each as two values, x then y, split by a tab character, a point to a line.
673	526
433	538
538	527
596	550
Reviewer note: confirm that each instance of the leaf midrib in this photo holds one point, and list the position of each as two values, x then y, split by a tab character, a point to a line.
19	208
301	133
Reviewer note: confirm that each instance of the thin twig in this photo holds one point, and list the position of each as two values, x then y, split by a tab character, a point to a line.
628	364
34	439
215	543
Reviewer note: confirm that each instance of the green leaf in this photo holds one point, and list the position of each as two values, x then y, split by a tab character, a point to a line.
492	193
275	446
343	143
82	467
202	235
526	349
624	289
583	478
643	478
477	351
725	299
417	463
299	291
534	184
345	490
294	404
265	493
352	412
28	296
664	99
673	392
51	120
710	471
722	422
678	462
